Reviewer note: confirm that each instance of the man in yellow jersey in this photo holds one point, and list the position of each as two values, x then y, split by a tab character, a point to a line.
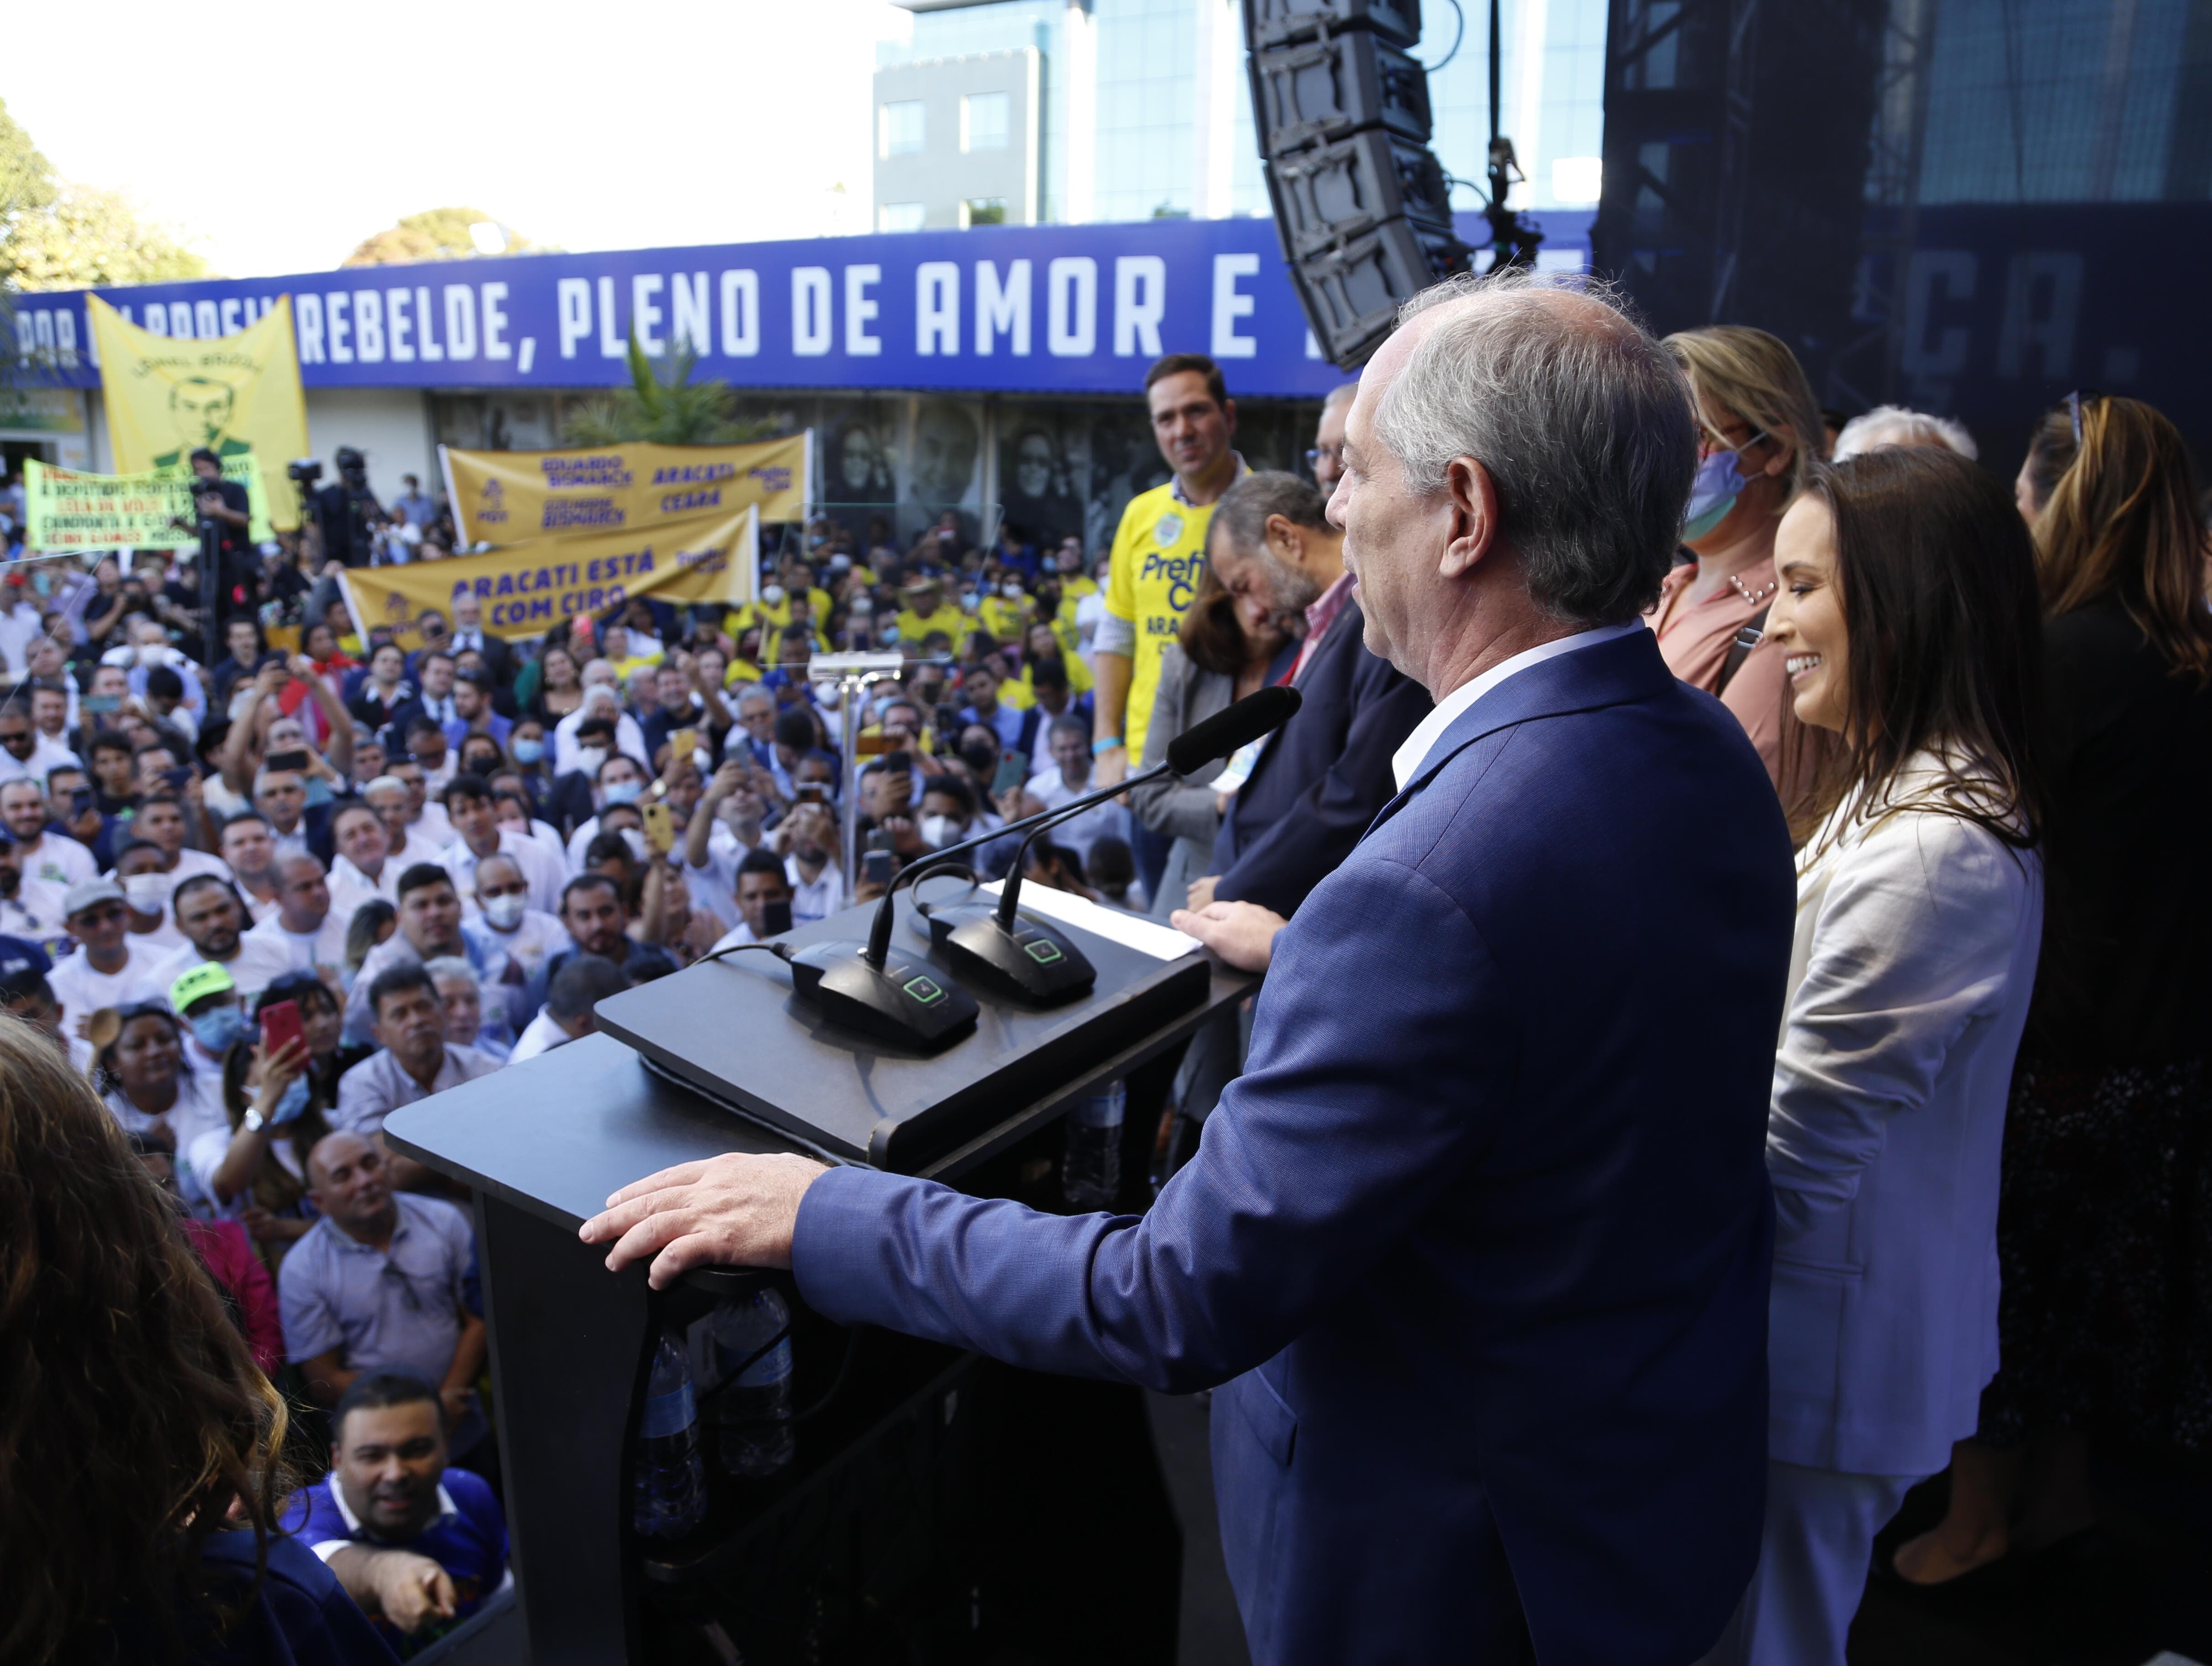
1159	552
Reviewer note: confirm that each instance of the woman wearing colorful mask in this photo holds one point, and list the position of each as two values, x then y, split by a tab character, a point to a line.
256	1166
1759	432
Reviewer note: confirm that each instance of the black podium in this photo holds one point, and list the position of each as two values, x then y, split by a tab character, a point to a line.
942	1506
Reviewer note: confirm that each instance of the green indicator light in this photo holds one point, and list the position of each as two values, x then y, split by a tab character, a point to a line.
1043	949
925	990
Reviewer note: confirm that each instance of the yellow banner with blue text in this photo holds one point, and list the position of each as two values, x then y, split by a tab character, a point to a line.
505	497
527	588
235	395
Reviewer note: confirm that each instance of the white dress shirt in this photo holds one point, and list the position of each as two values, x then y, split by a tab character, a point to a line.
540	870
1406	761
325	946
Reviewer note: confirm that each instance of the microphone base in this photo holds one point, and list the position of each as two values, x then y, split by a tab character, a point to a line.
904	1004
1032	962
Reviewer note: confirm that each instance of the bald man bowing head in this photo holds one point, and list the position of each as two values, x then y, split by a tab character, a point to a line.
1478	1261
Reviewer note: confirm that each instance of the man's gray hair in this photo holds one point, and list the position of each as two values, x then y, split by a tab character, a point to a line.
1342	394
1241	515
452	968
1582	420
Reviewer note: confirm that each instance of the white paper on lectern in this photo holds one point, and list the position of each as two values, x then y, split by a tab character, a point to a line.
1161	942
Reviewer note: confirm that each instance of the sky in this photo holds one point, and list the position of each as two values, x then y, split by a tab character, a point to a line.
288	133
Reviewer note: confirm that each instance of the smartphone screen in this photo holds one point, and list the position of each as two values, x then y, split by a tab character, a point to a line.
776	916
1011	774
875	866
175	779
294	759
280	1022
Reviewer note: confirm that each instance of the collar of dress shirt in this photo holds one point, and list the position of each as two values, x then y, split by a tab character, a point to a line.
447	1509
1175	482
1320	615
1407	761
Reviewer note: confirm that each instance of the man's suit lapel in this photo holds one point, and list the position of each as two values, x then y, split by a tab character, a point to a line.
1583	679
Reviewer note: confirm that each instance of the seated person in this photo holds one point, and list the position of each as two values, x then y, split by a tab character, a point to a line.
413	1060
417	1543
592	908
763	898
378	1284
583	982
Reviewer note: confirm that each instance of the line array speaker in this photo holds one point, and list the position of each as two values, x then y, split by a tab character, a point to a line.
1362	205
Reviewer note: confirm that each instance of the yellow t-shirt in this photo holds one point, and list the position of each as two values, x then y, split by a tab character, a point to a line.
1004	619
740	670
635	662
1021	693
912	626
1159	553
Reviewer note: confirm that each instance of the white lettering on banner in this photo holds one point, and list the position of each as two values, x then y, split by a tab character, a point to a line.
334	309
368	326
205	319
936	309
810	311
460	321
180	319
307	323
1230	303
1071	315
1002	311
65	336
1141	301
740	312
230	323
432	353
496	345
612	345
687	299
860	309
399	327
574	296
644	312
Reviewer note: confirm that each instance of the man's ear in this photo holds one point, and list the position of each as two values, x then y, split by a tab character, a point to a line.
1473	533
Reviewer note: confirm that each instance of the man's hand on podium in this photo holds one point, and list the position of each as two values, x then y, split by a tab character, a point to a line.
1242	933
729	1211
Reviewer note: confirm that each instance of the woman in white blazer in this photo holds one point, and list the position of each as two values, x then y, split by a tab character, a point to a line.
1908	619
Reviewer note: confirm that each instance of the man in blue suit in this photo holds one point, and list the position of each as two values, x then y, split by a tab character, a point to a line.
1478	1248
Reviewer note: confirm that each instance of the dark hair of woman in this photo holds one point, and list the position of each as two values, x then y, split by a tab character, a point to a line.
368	919
133	1424
1936	575
2051	451
1212	639
106	1078
2124	520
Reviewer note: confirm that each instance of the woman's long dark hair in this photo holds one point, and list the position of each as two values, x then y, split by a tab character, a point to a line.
1936	575
2123	520
1213	638
133	1423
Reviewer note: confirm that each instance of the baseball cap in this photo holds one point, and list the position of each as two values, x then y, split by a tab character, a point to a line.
198	984
21	962
89	893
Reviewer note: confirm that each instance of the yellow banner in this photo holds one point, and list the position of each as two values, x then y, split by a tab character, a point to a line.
505	497
234	394
69	509
528	589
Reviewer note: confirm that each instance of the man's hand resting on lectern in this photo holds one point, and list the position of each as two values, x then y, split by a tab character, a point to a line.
1242	933
730	1211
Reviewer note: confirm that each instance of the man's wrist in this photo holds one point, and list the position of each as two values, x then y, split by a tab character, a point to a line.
1112	742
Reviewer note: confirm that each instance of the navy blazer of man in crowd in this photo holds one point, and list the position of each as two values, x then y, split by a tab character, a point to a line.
1320	781
1476	1248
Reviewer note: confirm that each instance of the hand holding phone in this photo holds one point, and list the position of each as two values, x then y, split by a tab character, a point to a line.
280	1026
295	759
659	828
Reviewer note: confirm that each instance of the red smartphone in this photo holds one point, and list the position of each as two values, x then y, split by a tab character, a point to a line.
280	1026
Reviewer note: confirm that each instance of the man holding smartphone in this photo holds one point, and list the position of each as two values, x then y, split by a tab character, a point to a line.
764	895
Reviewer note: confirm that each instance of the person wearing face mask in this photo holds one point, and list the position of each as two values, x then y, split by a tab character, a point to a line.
1759	435
620	783
1004	607
255	1166
504	920
206	998
949	814
602	698
146	891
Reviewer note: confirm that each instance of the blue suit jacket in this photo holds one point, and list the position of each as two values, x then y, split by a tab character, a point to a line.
1482	1235
1320	780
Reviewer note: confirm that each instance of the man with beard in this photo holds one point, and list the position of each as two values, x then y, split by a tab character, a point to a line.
213	918
1309	791
29	908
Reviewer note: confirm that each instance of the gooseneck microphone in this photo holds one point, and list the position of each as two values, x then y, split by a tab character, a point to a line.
862	986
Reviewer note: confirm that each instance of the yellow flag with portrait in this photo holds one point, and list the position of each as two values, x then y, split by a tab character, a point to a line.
166	396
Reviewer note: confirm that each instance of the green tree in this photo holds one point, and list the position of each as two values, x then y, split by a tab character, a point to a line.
670	410
436	234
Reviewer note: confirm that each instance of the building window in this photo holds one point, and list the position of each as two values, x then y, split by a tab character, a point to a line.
983	121
983	211
899	131
899	216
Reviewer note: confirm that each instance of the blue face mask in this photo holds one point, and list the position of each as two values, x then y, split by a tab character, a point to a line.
294	1101
218	1030
622	792
1713	494
529	752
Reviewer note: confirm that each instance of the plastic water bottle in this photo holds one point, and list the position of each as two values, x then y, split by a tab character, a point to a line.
669	1495
1090	1173
754	1436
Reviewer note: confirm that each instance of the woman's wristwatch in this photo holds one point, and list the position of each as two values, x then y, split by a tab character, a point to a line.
253	1121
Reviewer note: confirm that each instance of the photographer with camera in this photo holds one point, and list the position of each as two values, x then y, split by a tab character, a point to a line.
347	513
223	518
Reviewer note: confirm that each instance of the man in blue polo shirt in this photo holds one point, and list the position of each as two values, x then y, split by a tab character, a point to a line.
418	1545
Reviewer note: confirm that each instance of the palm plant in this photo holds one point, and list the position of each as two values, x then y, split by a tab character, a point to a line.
669	410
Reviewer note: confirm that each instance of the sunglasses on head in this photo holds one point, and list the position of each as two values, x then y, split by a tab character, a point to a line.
2076	404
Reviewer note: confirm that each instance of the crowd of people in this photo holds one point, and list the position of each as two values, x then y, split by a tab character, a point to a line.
264	882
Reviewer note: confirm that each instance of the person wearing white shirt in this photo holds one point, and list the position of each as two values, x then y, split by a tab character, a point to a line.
504	919
29	908
725	825
27	755
1068	780
479	836
146	891
403	845
576	989
311	934
427	823
248	844
763	899
110	967
18	628
41	852
361	871
600	697
150	1086
212	920
808	838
